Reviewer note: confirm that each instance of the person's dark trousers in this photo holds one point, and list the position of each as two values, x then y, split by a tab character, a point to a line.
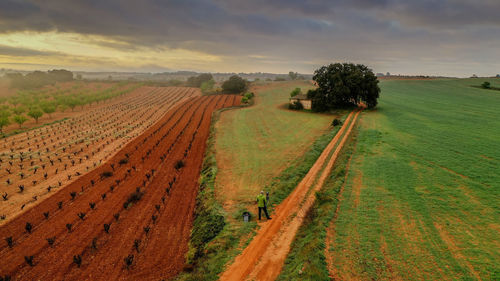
265	212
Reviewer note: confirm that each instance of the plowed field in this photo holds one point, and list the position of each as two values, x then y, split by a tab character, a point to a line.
139	204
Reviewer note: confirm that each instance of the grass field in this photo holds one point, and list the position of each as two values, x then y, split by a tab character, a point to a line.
260	141
264	134
422	197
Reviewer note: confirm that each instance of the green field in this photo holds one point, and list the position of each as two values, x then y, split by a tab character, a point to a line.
258	142
422	197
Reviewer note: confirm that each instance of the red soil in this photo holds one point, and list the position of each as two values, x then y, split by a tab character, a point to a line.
169	195
65	150
264	257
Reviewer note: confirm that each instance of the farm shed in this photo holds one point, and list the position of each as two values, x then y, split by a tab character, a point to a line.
303	99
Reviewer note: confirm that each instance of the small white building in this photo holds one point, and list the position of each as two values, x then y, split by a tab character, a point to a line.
303	99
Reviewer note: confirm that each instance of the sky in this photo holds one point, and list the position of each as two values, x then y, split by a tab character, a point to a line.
428	37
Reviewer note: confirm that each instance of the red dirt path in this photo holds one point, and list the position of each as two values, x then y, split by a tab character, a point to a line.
169	195
264	257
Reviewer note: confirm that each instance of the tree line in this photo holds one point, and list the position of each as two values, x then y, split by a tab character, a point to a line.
38	79
36	103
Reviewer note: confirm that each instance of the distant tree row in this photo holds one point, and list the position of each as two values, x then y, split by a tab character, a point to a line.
38	79
234	85
36	103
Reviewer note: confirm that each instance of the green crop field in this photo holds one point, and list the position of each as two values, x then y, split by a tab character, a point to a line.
258	142
422	197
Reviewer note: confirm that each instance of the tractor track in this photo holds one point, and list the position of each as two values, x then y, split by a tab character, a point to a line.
264	257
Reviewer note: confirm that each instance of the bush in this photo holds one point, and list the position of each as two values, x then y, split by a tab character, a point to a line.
336	122
249	95
244	100
179	164
295	92
297	105
486	85
133	197
234	85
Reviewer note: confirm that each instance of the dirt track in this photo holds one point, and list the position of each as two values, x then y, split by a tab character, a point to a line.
166	208
263	258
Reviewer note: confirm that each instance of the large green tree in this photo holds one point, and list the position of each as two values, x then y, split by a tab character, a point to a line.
234	85
342	85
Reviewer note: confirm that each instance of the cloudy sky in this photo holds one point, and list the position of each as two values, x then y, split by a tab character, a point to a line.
432	37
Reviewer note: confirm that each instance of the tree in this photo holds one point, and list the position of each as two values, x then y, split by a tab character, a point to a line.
207	86
486	85
18	110
48	107
197	81
295	92
72	102
341	85
20	119
234	85
35	113
293	75
4	119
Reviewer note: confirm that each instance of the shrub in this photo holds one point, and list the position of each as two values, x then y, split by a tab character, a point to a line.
133	197
249	95
28	227
51	240
137	243
106	174
296	105
77	260
9	241
295	92
486	85
179	164
244	100
29	260
81	215
336	122
129	260
106	227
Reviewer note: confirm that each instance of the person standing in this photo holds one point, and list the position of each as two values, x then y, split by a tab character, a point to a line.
262	204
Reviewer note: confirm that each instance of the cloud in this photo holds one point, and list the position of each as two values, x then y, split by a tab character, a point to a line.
299	34
24	52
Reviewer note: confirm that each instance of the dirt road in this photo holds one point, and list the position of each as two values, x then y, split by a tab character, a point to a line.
263	258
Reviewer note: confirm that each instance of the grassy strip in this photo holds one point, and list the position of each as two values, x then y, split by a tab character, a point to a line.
306	260
490	88
283	184
214	241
